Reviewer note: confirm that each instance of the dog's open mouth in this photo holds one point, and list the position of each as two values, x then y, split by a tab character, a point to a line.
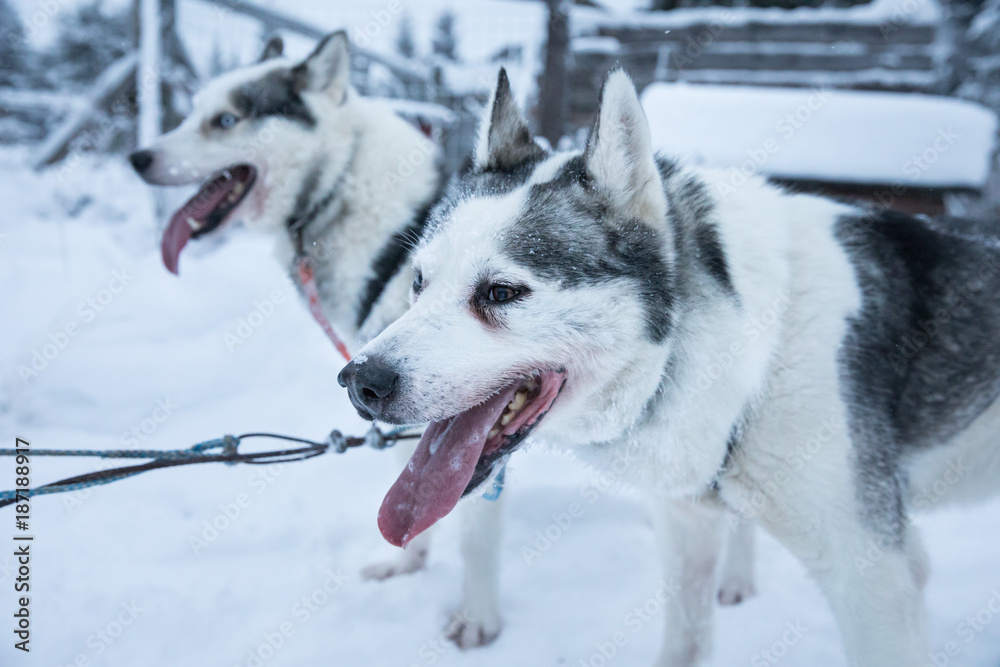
218	196
457	454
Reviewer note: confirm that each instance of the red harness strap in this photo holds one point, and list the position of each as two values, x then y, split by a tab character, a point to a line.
308	282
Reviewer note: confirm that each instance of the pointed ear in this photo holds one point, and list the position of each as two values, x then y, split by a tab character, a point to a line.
619	156
328	67
274	48
504	138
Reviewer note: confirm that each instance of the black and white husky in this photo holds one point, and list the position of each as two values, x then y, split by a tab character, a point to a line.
292	149
817	367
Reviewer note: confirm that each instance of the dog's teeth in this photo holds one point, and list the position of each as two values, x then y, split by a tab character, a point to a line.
238	189
227	174
520	398
530	384
193	224
507	416
494	432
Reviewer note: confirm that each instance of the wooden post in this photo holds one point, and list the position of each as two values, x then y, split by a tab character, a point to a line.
552	91
148	73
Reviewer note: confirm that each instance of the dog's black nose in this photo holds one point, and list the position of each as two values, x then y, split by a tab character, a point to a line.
141	160
370	384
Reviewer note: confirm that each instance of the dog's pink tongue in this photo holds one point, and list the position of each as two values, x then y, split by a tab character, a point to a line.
175	237
438	472
196	210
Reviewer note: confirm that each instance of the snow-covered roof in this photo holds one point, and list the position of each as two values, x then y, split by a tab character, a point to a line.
877	12
836	136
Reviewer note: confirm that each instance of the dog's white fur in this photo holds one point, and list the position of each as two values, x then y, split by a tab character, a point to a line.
283	152
783	389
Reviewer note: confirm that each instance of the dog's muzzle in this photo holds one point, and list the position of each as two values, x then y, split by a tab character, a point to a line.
371	385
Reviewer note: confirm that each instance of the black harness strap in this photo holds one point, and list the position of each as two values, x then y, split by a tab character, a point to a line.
392	256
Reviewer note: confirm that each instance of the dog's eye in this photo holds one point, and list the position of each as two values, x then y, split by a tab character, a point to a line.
225	121
418	282
502	293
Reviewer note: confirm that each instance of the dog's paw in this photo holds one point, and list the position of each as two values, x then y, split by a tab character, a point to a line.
468	632
735	591
404	564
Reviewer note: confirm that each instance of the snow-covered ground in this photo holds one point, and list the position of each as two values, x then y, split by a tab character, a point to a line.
119	578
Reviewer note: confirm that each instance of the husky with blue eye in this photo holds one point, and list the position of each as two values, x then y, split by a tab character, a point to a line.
341	181
816	366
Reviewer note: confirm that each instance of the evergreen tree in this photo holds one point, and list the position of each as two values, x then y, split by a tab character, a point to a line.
12	46
445	41
90	39
976	70
404	38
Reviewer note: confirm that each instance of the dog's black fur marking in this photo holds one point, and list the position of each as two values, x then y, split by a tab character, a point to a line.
711	254
580	254
920	359
470	183
274	94
392	256
691	208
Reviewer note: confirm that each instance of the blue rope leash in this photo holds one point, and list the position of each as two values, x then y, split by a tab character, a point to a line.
219	450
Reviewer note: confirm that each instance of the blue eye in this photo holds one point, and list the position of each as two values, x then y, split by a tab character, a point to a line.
225	121
418	282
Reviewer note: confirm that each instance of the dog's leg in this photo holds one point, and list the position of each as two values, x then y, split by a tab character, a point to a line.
414	556
873	582
690	538
736	580
477	622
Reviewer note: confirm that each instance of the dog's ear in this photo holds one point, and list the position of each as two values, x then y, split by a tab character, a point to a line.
274	48
619	157
504	138
328	67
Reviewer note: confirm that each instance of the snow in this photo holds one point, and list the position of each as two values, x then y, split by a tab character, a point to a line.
120	578
374	25
827	135
877	12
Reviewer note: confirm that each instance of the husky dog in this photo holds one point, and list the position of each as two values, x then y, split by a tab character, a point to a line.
811	365
292	149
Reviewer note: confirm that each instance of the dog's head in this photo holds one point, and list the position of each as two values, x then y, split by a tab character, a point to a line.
542	299
253	135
